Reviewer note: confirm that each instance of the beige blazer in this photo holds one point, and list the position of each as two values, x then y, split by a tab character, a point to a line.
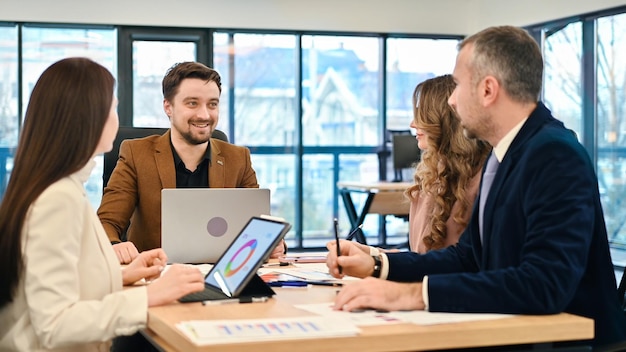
145	167
70	295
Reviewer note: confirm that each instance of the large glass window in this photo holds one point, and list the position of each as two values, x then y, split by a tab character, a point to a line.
409	62
262	83
223	61
151	59
341	108
276	172
562	75
611	135
9	120
594	51
259	105
309	106
341	120
364	168
340	94
317	205
42	46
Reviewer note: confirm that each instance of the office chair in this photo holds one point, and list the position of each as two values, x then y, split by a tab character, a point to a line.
404	152
402	148
110	158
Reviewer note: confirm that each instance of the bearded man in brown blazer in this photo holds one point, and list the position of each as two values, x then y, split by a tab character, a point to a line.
182	157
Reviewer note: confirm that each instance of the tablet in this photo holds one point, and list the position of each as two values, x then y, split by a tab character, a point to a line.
237	267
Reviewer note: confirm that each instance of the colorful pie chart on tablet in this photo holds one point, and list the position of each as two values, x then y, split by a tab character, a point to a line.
228	271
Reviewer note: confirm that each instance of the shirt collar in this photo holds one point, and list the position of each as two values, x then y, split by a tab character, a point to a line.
503	146
178	160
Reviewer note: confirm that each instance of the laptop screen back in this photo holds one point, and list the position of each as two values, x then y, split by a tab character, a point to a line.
242	259
198	224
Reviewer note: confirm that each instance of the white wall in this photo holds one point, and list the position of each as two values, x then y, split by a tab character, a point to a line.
527	12
332	15
394	16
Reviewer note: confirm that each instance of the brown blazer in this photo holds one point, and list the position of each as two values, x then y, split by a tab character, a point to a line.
145	167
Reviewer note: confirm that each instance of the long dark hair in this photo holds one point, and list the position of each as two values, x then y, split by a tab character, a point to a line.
66	114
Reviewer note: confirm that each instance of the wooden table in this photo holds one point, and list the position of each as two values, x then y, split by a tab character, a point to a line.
383	198
393	337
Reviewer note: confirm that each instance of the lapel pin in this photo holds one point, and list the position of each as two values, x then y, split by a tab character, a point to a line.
220	162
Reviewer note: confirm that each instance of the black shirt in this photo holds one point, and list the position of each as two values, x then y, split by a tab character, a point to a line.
198	178
192	179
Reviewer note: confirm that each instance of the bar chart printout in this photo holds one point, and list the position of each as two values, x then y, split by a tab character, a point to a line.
205	332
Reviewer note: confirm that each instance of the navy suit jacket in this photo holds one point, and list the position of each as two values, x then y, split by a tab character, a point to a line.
545	246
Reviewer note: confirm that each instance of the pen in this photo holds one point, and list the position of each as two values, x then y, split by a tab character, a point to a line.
298	283
288	283
325	283
353	232
234	300
336	223
276	264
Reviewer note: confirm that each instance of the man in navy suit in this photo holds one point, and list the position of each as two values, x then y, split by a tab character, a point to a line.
539	244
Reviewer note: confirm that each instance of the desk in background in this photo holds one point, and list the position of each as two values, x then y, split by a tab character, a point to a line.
396	337
383	198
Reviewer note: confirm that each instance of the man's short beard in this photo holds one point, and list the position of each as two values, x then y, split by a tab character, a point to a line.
194	141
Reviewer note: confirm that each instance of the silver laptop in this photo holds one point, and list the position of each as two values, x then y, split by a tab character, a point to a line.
199	224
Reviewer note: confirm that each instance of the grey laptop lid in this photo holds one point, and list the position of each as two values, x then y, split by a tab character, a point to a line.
199	224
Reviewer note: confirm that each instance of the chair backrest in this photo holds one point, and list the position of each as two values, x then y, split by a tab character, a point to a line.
110	158
217	134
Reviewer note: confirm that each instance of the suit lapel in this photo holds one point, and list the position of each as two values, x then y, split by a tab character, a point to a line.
474	232
217	171
164	158
536	120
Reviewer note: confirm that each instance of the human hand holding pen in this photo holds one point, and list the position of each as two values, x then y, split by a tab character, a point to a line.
350	257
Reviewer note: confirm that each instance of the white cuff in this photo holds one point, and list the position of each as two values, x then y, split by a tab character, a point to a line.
385	265
374	251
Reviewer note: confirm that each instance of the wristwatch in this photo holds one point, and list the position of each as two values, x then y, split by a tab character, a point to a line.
378	265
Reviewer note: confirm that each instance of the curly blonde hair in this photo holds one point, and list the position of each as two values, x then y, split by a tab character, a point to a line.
450	161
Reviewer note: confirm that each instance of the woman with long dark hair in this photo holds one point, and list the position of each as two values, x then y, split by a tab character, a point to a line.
61	283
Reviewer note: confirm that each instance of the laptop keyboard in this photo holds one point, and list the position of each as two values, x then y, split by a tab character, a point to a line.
204	295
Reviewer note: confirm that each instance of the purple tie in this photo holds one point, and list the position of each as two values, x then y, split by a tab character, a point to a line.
490	173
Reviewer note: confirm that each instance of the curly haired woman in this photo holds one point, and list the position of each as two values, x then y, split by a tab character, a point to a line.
448	175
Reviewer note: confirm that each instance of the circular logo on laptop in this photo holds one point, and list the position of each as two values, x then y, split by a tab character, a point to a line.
217	226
